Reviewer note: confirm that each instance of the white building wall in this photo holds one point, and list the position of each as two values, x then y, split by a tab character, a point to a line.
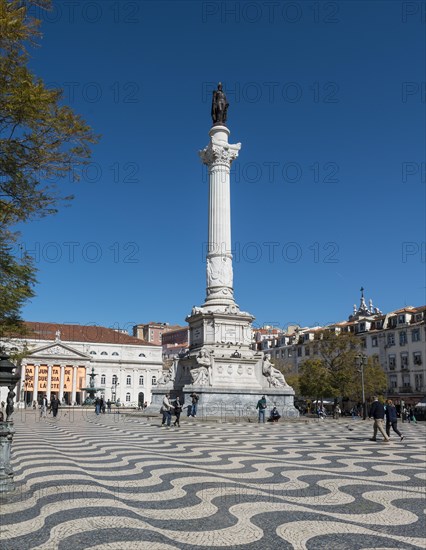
120	359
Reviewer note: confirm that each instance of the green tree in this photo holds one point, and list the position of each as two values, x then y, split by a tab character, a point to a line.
287	368
338	353
41	141
375	381
332	373
16	286
315	379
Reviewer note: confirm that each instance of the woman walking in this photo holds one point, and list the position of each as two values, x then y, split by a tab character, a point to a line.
392	419
178	410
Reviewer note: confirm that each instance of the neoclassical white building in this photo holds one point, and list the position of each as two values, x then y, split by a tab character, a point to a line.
60	358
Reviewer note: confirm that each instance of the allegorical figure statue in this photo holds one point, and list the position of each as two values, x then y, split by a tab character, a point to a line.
201	376
273	375
168	376
219	106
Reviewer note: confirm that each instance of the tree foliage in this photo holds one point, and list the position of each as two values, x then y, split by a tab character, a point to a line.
287	369
16	286
336	371
333	371
41	141
315	379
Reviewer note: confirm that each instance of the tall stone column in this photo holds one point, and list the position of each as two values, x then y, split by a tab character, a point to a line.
218	156
220	366
35	393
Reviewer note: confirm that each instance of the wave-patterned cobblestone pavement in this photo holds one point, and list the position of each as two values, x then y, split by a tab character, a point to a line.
121	483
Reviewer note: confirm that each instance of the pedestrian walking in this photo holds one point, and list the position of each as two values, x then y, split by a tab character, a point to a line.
178	410
194	405
43	407
54	406
109	406
166	409
321	414
392	419
411	417
97	406
261	406
377	412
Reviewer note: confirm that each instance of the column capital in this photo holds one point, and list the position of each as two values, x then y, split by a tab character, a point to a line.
219	152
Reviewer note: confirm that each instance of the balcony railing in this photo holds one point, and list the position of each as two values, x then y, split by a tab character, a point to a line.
405	389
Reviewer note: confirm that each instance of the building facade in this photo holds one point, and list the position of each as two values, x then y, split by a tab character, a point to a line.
153	332
60	357
175	342
396	339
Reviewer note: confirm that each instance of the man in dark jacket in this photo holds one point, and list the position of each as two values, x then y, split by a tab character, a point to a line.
392	419
261	406
377	411
54	405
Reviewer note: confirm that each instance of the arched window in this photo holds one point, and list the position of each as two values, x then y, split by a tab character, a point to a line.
154	380
114	353
129	380
128	397
141	380
93	353
104	353
114	379
103	379
142	355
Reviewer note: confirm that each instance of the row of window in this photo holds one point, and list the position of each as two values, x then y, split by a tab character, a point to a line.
417	360
403	338
406	381
103	353
113	353
114	380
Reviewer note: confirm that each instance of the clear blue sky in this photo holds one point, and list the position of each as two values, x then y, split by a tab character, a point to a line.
328	193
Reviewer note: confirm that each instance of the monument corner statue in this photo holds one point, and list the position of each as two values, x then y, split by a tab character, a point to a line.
219	106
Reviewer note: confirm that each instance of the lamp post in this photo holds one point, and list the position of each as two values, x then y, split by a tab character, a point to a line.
9	377
114	389
361	359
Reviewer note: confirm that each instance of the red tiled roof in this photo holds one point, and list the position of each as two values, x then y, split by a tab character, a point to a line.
81	333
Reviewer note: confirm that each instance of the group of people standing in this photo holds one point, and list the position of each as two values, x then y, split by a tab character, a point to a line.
101	406
175	407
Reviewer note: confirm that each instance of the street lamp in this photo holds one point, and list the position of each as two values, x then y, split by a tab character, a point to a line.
9	376
115	383
360	361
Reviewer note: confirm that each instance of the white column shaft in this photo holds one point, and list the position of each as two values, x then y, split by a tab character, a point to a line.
74	385
61	383
219	234
49	381
35	393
